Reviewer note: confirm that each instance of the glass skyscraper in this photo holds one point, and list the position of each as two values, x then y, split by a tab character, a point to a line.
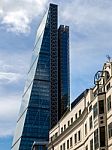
46	94
63	70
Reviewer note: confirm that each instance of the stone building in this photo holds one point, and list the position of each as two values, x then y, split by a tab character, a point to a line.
88	126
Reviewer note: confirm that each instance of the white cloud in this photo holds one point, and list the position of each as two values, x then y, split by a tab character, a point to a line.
17	15
86	14
13	70
17	22
15	62
1	13
9	77
13	101
90	24
9	107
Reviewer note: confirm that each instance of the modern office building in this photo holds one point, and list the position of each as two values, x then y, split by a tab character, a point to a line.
63	70
88	126
41	101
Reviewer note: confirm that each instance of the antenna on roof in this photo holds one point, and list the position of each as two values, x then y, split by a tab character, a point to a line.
108	57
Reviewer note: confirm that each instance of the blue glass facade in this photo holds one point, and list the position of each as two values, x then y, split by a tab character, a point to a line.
39	108
63	73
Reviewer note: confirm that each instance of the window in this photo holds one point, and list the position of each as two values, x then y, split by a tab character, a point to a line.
87	147
85	128
90	122
56	134
107	75
100	90
108	86
75	137
79	112
79	136
61	129
101	122
109	103
95	111
91	144
101	117
96	140
63	146
90	108
64	126
101	106
68	123
67	144
102	136
71	142
75	116
110	130
72	120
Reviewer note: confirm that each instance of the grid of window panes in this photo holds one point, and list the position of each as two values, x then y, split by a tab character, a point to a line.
40	98
63	64
39	146
37	123
35	109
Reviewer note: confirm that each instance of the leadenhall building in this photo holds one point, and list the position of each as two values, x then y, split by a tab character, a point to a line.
46	96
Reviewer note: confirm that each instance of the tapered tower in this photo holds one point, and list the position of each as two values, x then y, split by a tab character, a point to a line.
40	101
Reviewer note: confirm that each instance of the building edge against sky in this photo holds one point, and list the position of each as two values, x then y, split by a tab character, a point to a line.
41	101
88	126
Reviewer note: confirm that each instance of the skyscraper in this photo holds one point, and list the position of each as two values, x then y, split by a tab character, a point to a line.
42	100
63	70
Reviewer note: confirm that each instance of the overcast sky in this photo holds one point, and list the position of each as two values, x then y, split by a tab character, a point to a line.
90	24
